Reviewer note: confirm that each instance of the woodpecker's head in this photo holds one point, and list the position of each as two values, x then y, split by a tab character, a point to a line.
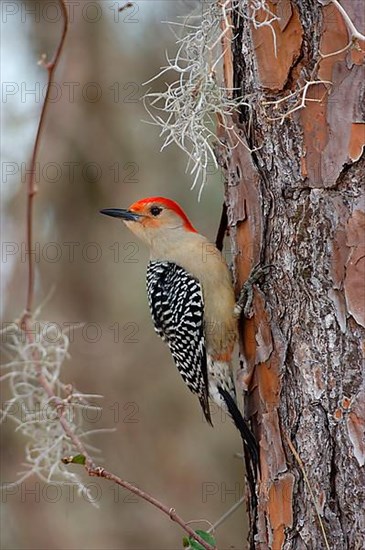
153	218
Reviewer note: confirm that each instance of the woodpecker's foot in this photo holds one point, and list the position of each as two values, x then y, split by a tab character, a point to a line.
245	298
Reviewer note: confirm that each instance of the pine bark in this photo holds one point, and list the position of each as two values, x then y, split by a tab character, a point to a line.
296	203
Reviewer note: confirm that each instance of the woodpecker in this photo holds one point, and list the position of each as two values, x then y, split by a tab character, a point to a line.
192	301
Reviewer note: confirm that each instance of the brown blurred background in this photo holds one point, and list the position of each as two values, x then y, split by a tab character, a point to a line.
96	152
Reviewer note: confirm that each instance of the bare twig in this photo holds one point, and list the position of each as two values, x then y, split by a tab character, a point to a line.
170	512
32	188
25	322
127	5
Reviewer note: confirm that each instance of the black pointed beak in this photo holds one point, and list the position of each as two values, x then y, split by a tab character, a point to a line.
126	215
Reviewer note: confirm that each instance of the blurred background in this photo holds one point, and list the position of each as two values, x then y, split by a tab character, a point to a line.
96	152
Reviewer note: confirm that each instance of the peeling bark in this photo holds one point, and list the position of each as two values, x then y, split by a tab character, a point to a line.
297	203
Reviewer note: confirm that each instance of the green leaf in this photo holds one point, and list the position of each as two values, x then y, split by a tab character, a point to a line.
194	545
77	459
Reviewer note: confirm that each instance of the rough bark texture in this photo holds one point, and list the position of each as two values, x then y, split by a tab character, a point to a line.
297	203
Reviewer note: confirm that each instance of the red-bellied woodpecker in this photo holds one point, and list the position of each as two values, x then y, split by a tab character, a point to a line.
192	302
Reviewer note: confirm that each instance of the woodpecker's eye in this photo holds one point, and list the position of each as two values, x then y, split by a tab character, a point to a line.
155	210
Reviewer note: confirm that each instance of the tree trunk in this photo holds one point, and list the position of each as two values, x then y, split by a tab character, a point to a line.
296	203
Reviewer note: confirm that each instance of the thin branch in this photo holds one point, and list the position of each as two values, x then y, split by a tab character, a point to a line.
170	512
32	188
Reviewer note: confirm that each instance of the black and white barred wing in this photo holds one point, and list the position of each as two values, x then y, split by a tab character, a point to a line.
177	307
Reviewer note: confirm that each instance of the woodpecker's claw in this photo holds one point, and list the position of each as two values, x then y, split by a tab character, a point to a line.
245	297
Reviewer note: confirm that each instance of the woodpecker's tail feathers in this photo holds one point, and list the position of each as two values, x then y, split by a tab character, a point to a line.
241	425
206	410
